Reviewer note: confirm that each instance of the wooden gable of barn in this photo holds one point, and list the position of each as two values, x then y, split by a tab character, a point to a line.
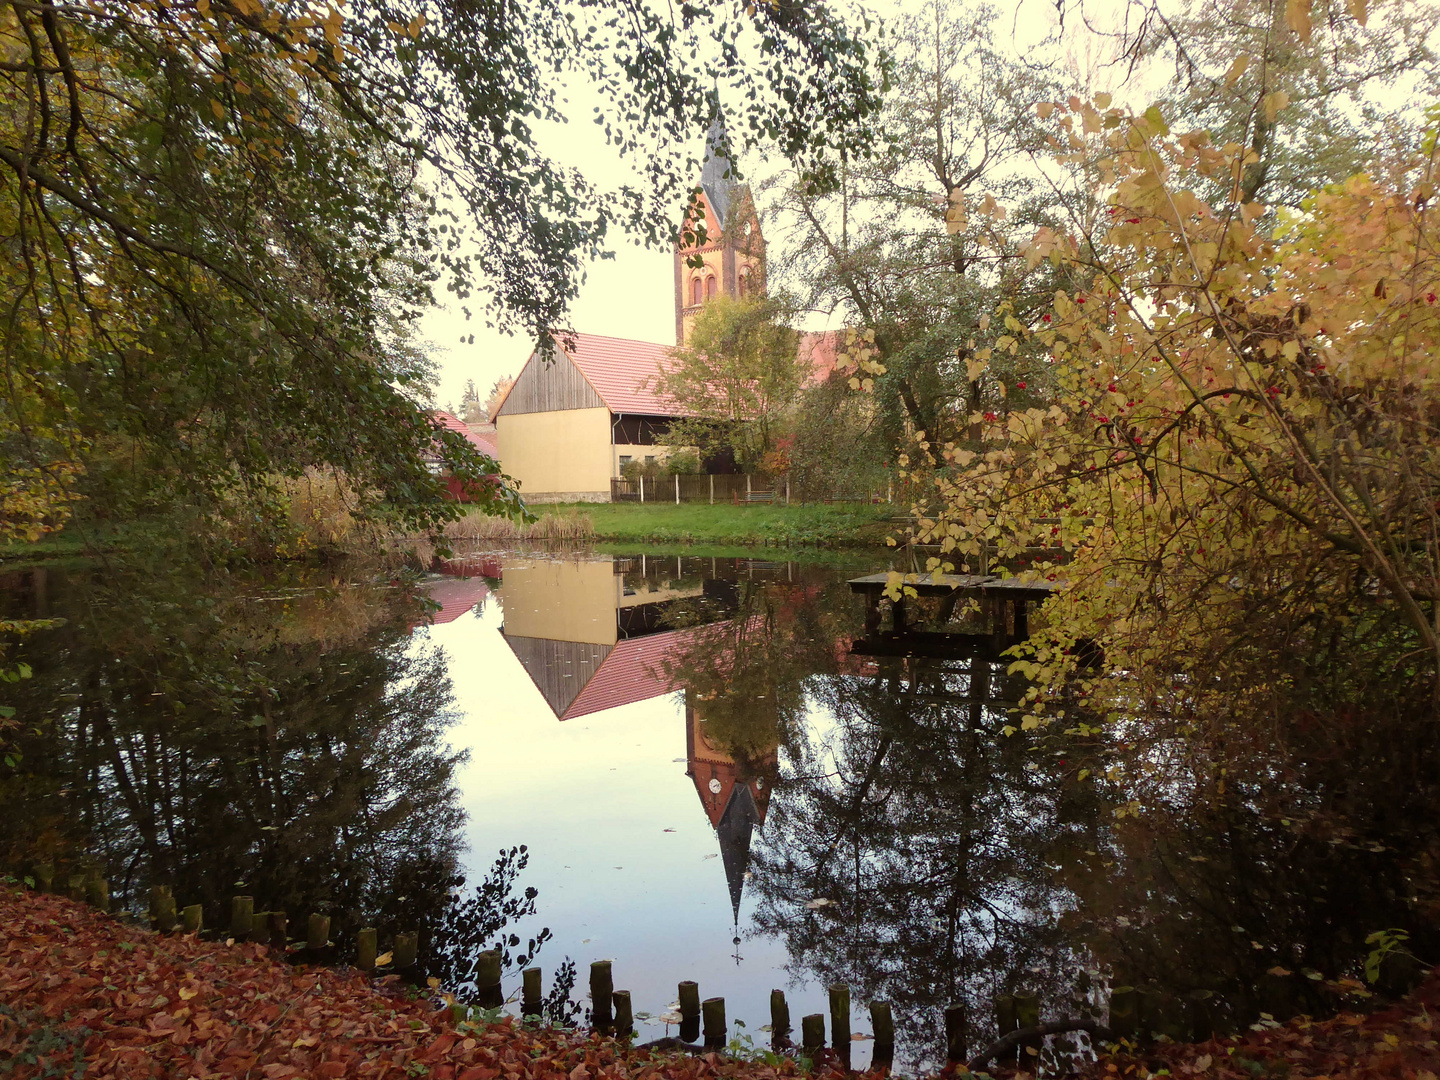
550	387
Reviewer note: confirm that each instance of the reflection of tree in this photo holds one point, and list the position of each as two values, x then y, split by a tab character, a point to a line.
1279	851
905	853
287	745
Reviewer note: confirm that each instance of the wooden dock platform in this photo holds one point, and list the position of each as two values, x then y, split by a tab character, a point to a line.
1005	601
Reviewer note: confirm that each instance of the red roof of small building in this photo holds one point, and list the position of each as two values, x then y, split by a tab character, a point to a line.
484	442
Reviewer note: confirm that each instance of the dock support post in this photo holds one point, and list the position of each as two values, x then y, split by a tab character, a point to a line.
955	1033
689	998
712	489
812	1033
779	1019
1027	1015
162	908
317	932
601	988
366	949
882	1024
192	919
840	1021
531	1002
1124	1011
624	1018
242	916
487	979
714	1012
407	950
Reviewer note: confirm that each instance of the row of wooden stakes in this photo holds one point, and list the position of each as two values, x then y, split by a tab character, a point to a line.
1017	1015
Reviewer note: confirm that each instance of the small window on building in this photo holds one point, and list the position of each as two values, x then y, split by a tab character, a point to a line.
695	294
625	459
743	285
709	288
649	459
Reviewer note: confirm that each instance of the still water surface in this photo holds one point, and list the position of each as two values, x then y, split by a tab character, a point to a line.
715	777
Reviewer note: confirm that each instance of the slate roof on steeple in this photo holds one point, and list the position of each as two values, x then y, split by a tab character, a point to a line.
717	175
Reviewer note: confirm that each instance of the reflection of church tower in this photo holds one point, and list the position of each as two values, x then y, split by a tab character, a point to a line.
734	802
733	251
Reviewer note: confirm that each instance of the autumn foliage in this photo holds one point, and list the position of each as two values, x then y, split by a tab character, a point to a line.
1239	467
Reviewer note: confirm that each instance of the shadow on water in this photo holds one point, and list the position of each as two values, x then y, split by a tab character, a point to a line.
874	806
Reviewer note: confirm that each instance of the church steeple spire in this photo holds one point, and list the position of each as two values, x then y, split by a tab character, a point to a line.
733	253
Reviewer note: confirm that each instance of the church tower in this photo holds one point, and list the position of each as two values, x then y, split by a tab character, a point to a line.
733	251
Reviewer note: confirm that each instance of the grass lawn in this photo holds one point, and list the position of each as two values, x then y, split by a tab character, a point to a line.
829	525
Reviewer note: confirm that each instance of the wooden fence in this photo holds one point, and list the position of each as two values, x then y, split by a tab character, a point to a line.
734	488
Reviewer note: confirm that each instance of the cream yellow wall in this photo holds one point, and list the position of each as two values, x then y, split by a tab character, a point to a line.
562	601
638	453
558	453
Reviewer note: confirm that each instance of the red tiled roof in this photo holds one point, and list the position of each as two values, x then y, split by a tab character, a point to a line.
622	372
484	442
820	355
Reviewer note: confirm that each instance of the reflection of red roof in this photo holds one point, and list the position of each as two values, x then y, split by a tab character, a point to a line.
456	596
820	356
484	442
634	671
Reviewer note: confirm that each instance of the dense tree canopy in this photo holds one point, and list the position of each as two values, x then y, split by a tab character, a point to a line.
221	217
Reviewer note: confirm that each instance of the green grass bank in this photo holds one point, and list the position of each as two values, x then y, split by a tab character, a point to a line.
818	525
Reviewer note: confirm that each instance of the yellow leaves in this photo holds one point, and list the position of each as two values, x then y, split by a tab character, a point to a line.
955	218
1273	103
217	109
1297	17
975	368
1237	69
1045	109
1357	11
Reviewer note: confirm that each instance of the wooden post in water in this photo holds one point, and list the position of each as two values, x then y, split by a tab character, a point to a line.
162	908
840	1021
1202	1015
44	874
882	1023
1005	1021
712	489
1027	1015
279	931
812	1033
955	1033
602	986
677	489
689	998
76	884
531	1001
713	1009
97	893
1124	1012
192	919
242	916
624	1018
407	950
317	932
366	949
779	1019
487	979
1147	1013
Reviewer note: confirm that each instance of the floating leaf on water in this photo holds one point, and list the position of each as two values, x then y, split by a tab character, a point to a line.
1201	1063
383	959
712	855
817	903
669	830
860	1036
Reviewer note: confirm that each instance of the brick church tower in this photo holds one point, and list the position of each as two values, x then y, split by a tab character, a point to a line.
733	251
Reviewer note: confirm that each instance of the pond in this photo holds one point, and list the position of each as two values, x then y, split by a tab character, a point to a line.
716	773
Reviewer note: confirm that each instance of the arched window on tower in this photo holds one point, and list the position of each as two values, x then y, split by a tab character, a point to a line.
709	288
742	284
695	294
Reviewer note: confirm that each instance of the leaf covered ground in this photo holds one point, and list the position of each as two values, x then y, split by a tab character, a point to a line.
84	994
